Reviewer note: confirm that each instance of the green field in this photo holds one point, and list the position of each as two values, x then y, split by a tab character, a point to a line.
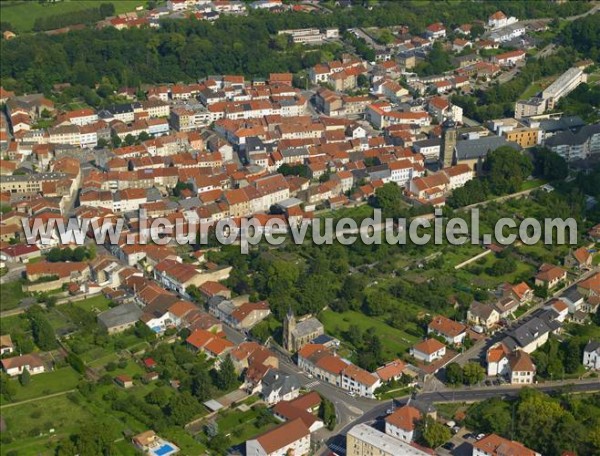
60	380
22	14
10	295
25	424
395	342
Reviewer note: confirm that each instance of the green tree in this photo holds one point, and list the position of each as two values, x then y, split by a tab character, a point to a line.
431	433
25	377
549	165
226	376
507	169
327	413
473	373
454	374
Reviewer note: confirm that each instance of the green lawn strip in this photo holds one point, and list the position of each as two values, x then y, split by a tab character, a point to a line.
11	294
62	379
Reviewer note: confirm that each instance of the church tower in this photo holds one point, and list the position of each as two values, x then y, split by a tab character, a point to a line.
448	143
289	324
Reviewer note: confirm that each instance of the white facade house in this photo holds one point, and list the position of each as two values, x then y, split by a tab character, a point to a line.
429	350
31	362
591	355
292	437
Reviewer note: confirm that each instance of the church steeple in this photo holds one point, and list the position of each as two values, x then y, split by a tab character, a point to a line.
288	326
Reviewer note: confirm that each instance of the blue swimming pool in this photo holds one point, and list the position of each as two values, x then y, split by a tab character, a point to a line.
163	450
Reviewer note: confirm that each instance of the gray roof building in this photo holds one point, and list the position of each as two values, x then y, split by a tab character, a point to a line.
473	149
120	318
279	383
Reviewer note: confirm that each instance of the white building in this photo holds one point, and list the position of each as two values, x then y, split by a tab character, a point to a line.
591	355
15	366
429	350
402	423
364	440
292	437
499	19
565	84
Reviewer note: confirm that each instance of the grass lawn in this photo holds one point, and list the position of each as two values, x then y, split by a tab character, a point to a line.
395	341
448	409
241	425
26	423
483	279
593	77
22	14
532	90
10	295
63	379
91	304
532	183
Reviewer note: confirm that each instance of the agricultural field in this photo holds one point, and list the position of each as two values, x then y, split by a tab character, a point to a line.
22	14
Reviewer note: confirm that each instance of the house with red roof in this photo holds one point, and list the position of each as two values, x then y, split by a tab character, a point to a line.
435	31
290	438
549	276
453	331
494	445
580	258
402	423
428	350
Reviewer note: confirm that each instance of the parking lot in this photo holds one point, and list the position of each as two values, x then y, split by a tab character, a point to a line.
462	444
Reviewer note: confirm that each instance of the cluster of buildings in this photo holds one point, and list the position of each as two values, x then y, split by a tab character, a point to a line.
549	97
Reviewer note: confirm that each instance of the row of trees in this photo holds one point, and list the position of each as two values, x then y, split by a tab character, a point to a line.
77	254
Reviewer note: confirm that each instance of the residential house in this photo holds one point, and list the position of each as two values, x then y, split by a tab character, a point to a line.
359	381
573	299
580	258
521	369
32	362
292	437
304	407
591	355
402	423
497	359
6	345
494	445
435	31
391	371
278	386
484	315
428	350
453	331
549	276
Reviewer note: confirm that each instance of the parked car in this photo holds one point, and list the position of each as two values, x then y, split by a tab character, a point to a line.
480	436
449	446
